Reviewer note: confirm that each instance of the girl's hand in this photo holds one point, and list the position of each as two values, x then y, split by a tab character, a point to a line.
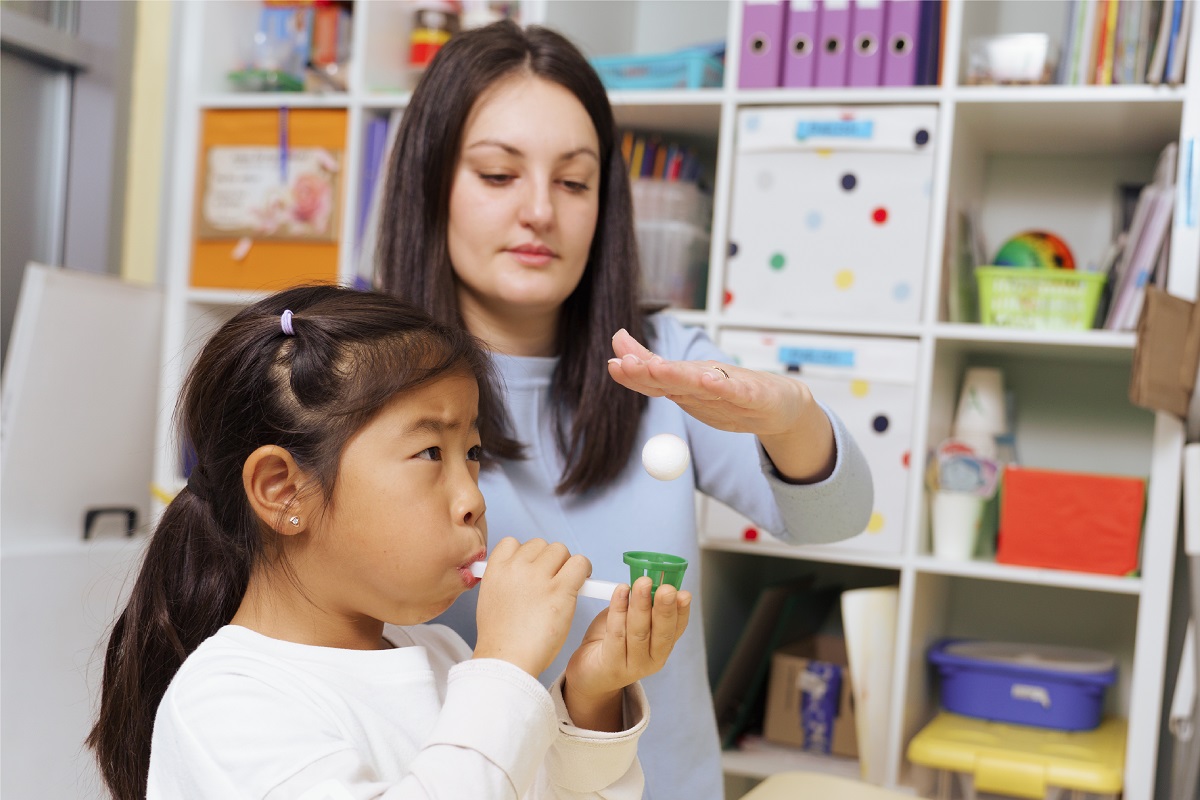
626	642
526	602
779	410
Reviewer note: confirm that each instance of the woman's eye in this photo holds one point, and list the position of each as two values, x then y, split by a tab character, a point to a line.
475	453
575	186
431	454
495	179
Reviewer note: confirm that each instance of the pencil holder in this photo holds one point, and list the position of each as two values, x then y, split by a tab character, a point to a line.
659	567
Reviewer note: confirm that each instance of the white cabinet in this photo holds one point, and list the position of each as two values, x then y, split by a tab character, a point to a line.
1018	156
79	402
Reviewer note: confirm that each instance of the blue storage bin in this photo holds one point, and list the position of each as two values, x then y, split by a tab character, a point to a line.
689	69
1049	687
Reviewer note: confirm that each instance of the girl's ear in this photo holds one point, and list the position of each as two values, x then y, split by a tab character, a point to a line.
273	481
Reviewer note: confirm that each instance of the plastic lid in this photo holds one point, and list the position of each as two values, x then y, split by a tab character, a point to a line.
1039	656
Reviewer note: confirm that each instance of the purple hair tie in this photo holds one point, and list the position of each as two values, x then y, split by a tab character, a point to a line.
285	322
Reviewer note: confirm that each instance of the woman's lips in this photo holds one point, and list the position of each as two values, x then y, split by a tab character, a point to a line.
532	255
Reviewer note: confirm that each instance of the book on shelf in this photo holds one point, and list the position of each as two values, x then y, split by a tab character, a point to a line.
929	45
1161	60
783	612
1125	48
374	143
371	210
962	297
1147	236
1177	59
1106	30
1083	41
1108	42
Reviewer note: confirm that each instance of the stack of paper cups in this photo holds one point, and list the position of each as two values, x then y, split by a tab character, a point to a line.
981	415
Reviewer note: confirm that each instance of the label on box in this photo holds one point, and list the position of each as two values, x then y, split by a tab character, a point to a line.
820	686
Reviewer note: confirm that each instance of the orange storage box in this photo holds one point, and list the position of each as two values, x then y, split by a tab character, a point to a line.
1070	520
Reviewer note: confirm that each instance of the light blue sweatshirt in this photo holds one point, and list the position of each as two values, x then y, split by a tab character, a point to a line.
680	752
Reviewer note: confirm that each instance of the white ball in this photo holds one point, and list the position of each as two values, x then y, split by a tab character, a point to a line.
665	456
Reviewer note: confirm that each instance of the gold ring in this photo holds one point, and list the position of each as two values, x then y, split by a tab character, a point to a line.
722	371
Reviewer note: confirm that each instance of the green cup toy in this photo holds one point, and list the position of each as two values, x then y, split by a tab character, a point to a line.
659	567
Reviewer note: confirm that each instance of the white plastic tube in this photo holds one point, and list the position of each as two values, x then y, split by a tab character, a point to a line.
600	590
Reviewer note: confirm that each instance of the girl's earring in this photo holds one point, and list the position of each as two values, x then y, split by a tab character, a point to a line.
295	521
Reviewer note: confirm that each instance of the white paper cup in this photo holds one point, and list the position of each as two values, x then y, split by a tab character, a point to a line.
955	521
981	409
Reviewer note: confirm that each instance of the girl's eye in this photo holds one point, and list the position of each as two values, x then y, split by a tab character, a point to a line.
495	179
575	186
475	453
431	454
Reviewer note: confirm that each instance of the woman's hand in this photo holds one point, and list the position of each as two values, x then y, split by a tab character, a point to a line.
779	410
626	642
526	602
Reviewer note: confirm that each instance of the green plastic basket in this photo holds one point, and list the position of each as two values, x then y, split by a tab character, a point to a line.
660	567
1041	299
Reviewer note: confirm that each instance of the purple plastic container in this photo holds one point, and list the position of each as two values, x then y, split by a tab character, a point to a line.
1046	686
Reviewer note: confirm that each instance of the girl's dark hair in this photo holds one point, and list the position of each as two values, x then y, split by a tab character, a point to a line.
596	419
253	385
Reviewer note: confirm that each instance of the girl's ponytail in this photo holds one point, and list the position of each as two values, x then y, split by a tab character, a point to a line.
189	585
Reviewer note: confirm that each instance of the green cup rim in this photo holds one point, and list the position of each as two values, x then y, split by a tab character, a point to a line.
658	562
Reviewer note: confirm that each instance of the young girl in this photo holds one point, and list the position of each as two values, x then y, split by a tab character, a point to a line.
338	440
508	211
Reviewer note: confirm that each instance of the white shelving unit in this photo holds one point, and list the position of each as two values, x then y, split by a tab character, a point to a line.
1023	156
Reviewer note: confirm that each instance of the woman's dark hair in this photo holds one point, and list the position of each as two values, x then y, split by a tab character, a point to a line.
596	419
253	385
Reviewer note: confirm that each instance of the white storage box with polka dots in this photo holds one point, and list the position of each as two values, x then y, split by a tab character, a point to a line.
830	213
870	383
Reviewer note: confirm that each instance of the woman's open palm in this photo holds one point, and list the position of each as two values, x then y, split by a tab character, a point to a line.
720	395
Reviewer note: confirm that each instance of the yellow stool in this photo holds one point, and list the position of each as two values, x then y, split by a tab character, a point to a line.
809	785
1022	761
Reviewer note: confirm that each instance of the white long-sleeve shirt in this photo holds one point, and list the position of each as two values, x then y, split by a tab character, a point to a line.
248	716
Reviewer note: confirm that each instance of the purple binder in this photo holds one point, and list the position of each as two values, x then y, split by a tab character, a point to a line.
761	60
800	28
901	30
833	23
929	42
866	42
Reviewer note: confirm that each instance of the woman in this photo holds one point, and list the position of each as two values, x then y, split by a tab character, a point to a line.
508	211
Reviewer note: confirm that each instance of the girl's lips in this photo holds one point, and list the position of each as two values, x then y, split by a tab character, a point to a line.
469	579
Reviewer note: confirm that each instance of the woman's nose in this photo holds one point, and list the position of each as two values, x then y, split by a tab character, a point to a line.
537	208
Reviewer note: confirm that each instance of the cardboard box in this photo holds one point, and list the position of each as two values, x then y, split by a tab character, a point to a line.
1168	348
808	698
